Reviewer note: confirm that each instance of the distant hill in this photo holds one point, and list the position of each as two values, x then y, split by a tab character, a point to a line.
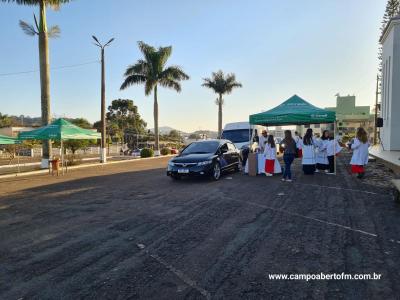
167	130
210	134
25	121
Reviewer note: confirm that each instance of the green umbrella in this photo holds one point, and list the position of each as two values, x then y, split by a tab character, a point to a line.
7	140
60	130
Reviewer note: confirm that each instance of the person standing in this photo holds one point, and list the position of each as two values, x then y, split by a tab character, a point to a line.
270	156
360	153
308	159
321	156
288	147
263	140
298	140
332	149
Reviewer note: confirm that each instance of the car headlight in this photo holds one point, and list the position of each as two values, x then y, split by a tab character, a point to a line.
171	164
204	163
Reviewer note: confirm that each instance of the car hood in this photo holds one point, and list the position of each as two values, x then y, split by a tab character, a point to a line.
195	157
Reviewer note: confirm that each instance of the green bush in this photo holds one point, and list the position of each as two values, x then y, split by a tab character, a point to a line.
147	152
165	151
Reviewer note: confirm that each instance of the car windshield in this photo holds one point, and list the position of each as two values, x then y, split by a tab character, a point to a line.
201	147
236	136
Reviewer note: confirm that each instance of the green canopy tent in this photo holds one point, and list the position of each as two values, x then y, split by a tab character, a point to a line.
60	130
294	111
7	140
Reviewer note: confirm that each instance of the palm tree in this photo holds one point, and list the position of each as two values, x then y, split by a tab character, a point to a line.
43	33
221	85
151	71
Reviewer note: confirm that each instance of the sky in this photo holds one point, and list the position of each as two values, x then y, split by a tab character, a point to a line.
311	48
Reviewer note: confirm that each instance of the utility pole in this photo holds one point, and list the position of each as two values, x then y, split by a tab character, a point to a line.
376	110
103	150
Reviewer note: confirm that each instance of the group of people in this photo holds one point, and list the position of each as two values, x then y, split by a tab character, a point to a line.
317	153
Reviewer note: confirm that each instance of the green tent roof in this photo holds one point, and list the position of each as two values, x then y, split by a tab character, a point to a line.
294	111
7	140
60	129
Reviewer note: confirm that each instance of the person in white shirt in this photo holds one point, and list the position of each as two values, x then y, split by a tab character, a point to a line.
297	138
332	149
270	155
321	155
262	140
359	146
308	150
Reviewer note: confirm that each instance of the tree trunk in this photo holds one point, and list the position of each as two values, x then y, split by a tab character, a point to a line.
220	116
156	136
44	76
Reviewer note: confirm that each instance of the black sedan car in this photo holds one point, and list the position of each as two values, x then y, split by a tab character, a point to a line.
205	158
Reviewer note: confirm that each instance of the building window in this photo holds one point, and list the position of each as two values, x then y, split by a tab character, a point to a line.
307	126
317	126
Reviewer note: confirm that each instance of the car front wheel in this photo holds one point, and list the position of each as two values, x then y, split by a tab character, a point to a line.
216	172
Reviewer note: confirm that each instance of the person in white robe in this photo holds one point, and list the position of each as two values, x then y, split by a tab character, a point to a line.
359	147
262	140
308	152
332	149
321	158
270	156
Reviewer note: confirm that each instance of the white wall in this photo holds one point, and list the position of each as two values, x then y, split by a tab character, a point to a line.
390	109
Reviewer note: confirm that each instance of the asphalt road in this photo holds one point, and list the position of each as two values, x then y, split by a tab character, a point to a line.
127	231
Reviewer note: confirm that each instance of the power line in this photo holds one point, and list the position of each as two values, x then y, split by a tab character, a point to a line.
54	68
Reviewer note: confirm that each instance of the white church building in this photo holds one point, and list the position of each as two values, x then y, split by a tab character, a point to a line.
390	86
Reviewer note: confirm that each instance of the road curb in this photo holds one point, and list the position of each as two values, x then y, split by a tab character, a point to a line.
46	171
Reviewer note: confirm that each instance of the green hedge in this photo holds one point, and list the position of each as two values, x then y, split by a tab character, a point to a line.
147	152
165	151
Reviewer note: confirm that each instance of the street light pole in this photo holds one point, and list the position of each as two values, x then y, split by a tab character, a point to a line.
103	150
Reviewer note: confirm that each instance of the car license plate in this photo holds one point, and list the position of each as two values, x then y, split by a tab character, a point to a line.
183	171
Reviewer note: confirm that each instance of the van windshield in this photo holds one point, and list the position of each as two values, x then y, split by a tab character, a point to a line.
237	135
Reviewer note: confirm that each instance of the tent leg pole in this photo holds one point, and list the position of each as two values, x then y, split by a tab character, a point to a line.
62	157
18	161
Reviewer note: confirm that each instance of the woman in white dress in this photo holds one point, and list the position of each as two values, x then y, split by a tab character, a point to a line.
359	146
270	156
321	155
308	149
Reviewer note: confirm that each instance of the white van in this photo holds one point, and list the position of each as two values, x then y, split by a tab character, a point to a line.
241	133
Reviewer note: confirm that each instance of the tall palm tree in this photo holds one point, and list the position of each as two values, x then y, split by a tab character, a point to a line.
43	33
151	71
221	85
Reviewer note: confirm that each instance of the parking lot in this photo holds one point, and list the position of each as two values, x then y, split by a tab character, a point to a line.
127	231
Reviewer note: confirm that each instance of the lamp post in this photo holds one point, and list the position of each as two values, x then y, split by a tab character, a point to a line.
103	153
